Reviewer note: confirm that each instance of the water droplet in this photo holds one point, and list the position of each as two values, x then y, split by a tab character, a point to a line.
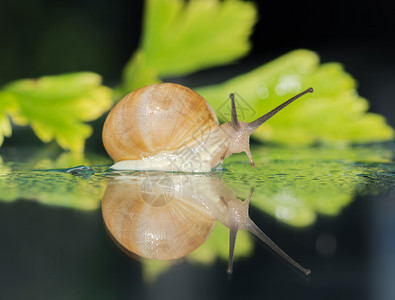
262	92
80	171
285	213
288	84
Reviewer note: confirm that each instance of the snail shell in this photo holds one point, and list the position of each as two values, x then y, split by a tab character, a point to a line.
167	216
169	127
146	217
159	127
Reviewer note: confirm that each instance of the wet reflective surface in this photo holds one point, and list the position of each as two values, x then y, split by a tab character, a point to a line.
166	216
332	210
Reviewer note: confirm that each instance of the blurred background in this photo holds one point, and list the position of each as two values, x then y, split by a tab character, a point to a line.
44	37
76	260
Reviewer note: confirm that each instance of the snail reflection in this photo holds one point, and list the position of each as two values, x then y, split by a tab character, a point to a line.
167	216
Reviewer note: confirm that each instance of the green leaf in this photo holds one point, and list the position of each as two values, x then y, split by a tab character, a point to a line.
152	269
137	74
181	37
217	245
333	114
5	125
56	107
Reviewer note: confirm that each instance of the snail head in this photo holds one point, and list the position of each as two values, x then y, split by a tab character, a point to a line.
237	218
239	132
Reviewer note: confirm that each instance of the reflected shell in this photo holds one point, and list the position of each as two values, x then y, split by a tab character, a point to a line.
154	225
158	117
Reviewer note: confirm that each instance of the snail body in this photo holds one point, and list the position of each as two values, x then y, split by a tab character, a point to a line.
169	127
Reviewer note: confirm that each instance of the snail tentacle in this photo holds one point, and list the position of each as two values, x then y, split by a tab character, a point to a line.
255	230
237	218
232	243
248	199
235	121
239	132
250	158
223	156
258	122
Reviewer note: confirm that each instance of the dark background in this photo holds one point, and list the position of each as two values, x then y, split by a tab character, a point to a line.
50	37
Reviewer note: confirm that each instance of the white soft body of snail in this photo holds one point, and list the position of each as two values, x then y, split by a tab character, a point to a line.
169	127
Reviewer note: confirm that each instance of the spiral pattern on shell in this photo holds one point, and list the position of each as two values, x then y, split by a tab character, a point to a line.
154	226
158	117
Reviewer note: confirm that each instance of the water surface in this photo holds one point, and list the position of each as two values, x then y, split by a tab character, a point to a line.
331	209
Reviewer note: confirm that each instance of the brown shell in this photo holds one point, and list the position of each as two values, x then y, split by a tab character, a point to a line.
153	118
163	229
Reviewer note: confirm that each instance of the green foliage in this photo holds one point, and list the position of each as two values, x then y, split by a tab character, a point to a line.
182	37
334	113
56	107
217	246
5	125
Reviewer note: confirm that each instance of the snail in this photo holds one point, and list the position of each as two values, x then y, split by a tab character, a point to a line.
145	217
169	127
167	216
